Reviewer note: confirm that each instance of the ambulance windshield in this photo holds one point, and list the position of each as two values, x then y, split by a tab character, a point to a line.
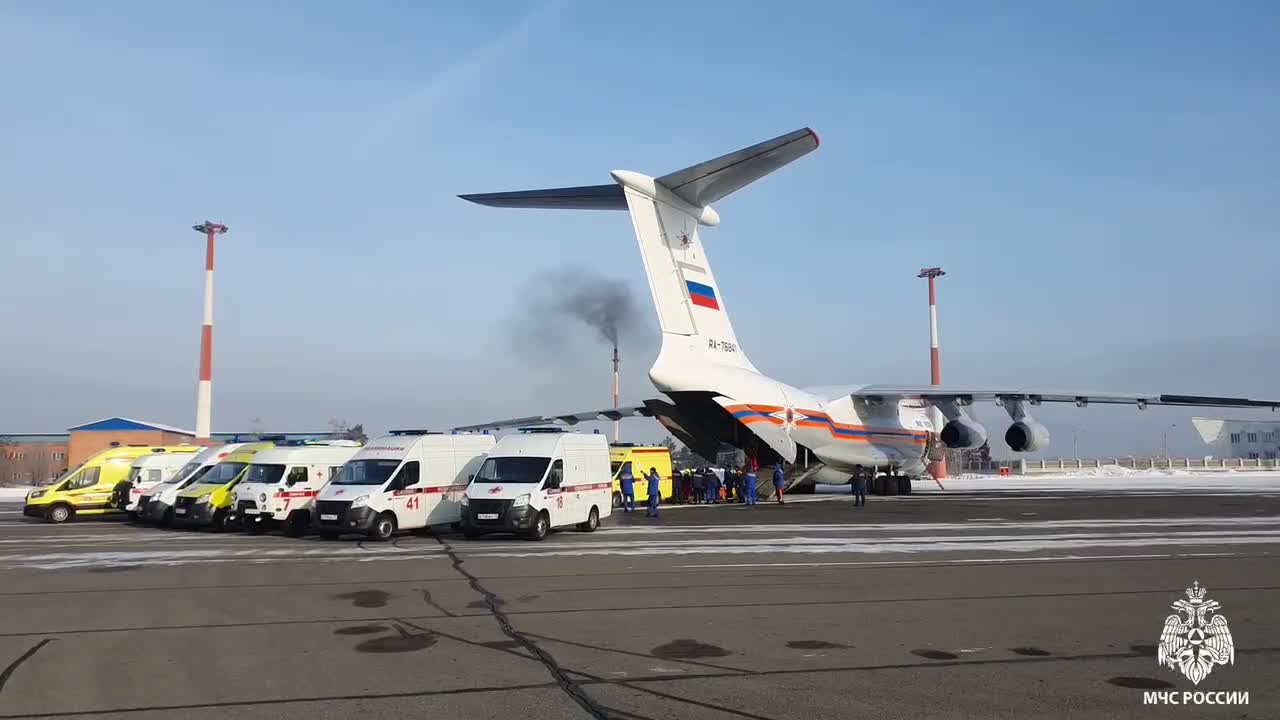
269	474
186	470
223	473
365	472
514	470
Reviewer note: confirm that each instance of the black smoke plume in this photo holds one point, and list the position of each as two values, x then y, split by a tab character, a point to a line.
556	303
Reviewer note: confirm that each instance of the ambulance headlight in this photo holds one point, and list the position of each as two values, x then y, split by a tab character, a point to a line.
360	501
520	501
204	498
262	498
465	501
36	493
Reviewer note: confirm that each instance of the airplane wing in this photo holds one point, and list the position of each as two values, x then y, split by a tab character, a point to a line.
566	419
967	395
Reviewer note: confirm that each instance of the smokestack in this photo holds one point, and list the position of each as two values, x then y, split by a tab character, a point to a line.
938	469
204	393
616	436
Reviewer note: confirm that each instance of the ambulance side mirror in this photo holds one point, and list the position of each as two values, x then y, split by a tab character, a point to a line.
471	477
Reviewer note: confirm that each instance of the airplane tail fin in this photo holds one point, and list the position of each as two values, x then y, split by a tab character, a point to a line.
666	212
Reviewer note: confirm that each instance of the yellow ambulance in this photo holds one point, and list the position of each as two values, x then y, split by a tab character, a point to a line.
640	458
88	489
208	500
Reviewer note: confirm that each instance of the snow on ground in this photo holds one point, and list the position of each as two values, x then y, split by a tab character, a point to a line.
1108	478
13	494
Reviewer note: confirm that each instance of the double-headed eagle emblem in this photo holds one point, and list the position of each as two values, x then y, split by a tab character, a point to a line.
1199	641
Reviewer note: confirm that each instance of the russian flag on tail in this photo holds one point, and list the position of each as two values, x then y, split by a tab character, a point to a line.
703	295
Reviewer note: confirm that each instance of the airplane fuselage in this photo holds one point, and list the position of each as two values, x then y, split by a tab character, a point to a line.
745	408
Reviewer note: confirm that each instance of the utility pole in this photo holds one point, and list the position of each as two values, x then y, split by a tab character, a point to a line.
616	431
937	468
204	393
1165	442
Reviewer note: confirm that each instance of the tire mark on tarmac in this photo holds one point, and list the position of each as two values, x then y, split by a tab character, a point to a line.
566	683
646	656
284	701
8	672
632	682
556	611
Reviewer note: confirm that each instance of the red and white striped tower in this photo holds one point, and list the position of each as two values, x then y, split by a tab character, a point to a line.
938	469
204	395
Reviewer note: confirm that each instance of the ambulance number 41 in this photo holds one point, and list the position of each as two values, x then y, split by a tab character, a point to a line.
413	503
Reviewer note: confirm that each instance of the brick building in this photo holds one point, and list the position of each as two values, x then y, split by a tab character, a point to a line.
28	459
35	459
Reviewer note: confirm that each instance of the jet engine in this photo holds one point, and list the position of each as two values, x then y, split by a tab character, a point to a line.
963	433
1027	435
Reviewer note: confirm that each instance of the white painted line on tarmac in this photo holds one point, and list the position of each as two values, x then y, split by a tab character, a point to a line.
951	561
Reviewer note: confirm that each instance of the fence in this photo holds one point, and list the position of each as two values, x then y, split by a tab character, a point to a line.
1038	467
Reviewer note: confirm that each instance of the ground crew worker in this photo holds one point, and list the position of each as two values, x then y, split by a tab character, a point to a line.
859	489
655	492
699	485
713	487
779	480
749	488
628	482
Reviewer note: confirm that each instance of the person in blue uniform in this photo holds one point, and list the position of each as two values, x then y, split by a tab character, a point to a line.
655	492
713	487
779	481
859	489
749	483
628	482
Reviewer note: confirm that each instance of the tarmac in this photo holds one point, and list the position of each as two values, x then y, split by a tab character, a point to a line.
945	604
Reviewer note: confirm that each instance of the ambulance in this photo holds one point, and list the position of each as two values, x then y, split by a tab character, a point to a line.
538	480
88	489
640	458
207	500
407	480
279	489
156	503
149	471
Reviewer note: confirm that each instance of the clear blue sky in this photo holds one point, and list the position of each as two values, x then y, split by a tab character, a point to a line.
1100	180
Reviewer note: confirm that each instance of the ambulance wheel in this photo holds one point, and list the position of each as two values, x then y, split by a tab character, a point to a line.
541	526
296	525
133	516
221	521
59	513
617	500
593	521
329	534
384	527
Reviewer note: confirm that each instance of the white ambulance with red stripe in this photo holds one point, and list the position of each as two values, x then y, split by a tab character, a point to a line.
408	480
280	485
538	480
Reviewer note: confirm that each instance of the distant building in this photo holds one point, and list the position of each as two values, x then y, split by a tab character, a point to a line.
36	458
1250	439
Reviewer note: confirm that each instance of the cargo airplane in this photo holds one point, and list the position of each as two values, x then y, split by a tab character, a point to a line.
716	395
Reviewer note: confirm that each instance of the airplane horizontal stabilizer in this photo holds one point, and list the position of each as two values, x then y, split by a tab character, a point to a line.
587	197
705	183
